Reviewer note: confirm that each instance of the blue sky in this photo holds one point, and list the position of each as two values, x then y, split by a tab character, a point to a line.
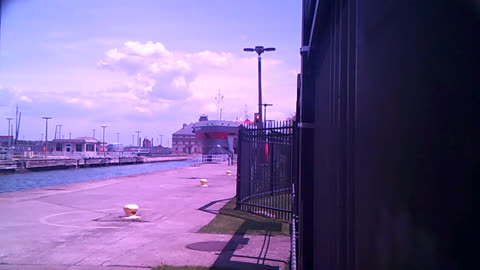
143	65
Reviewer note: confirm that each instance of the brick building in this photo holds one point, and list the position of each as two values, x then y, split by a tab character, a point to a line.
184	141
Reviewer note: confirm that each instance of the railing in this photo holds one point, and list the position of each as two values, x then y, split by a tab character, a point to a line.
293	250
116	154
196	160
265	171
293	232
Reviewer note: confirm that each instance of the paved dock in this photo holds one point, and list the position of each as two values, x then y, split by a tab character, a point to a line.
78	226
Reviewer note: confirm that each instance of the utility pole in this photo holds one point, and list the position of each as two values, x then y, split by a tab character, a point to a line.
103	141
60	131
45	148
9	131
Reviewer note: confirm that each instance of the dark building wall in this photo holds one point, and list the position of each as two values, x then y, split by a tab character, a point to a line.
389	183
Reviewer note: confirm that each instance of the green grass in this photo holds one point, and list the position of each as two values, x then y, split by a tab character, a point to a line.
170	267
188	267
231	221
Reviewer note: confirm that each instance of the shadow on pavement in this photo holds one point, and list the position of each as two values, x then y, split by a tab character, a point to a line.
208	205
240	262
224	260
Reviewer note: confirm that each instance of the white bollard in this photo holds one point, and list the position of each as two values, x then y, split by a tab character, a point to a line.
131	211
203	182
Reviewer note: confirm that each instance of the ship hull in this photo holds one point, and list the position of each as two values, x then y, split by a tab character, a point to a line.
217	137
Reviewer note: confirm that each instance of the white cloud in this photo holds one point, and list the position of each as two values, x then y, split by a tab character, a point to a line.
157	72
145	86
191	80
26	99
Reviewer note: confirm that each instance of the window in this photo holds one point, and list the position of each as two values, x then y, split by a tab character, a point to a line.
58	147
78	147
90	147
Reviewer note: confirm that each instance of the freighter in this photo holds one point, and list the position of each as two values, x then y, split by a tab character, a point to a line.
217	136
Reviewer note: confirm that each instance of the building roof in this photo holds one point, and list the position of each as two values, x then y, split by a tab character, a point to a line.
77	140
186	130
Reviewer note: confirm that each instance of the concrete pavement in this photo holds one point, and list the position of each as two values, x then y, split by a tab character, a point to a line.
78	226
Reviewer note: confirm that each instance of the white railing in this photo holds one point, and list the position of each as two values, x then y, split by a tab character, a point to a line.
203	159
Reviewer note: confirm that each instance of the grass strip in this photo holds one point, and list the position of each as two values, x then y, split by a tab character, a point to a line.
232	221
189	267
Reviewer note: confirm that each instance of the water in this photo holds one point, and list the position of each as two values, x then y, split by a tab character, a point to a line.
31	180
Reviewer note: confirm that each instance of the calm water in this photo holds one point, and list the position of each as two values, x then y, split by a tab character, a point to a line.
31	180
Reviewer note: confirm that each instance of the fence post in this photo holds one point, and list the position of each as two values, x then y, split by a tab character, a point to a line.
239	173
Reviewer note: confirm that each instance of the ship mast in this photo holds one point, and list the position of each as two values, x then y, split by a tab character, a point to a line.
219	100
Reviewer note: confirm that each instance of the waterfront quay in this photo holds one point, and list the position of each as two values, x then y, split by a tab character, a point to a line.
38	164
80	226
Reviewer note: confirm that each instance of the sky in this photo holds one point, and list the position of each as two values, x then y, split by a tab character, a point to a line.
146	66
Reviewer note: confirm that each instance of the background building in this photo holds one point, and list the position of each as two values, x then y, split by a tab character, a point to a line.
147	143
185	142
84	146
4	139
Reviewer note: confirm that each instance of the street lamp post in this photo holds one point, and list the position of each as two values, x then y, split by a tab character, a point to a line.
265	110
45	149
60	131
103	140
259	50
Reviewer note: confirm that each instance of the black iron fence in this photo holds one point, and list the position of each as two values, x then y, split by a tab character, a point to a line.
265	169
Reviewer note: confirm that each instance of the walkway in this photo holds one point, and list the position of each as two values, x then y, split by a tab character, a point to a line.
77	226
